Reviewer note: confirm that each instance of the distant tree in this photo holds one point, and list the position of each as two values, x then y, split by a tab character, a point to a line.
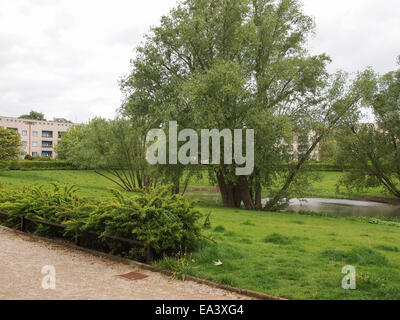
71	138
33	115
329	152
373	150
63	120
10	144
115	149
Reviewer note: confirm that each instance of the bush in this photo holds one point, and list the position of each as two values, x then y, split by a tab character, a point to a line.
314	165
166	221
4	165
42	164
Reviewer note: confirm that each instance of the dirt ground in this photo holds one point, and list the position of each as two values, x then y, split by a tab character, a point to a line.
82	276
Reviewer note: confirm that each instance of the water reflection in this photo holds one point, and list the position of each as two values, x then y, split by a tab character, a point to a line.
345	207
335	206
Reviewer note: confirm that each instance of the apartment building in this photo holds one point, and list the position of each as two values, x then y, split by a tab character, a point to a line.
300	145
38	137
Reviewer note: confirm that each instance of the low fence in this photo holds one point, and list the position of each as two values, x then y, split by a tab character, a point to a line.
77	239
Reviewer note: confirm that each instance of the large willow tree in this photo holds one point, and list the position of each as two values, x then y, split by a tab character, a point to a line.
238	64
373	150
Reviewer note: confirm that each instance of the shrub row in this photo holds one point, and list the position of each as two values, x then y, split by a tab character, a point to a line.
26	165
325	166
167	222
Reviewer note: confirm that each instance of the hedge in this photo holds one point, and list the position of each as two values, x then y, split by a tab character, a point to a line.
325	166
26	165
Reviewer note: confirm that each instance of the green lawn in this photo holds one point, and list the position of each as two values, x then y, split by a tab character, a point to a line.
299	257
283	254
326	187
90	183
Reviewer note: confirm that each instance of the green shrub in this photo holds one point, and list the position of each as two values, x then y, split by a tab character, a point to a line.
4	165
314	165
166	221
40	164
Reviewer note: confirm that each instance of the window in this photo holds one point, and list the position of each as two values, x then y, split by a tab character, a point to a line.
24	133
302	148
34	133
14	129
34	154
34	144
47	134
25	143
46	154
303	140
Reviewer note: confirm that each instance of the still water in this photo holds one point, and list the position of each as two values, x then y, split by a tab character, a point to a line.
345	207
334	206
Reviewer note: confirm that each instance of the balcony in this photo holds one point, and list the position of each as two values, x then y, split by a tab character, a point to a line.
47	154
302	148
47	134
47	144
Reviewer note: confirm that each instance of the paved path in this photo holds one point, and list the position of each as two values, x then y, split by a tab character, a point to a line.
81	275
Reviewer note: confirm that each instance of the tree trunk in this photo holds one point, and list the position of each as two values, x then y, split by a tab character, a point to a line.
227	192
258	202
245	195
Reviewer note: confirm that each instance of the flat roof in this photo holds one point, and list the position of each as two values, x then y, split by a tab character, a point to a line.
52	122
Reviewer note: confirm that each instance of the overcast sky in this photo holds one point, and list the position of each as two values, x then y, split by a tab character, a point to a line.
64	57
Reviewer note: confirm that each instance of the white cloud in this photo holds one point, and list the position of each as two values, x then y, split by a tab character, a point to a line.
65	57
357	33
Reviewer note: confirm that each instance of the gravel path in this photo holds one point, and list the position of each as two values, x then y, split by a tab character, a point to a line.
80	275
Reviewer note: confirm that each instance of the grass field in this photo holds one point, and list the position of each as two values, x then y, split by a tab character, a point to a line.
92	185
327	187
283	254
298	257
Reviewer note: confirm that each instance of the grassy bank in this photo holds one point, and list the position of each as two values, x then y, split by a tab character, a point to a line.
326	187
283	254
297	257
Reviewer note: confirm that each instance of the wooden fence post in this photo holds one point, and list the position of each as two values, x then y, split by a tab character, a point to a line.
149	254
23	224
77	240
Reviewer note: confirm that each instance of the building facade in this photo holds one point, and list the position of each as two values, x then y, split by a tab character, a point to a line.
39	138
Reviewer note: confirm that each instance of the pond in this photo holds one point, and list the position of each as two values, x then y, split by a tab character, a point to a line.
334	206
345	207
